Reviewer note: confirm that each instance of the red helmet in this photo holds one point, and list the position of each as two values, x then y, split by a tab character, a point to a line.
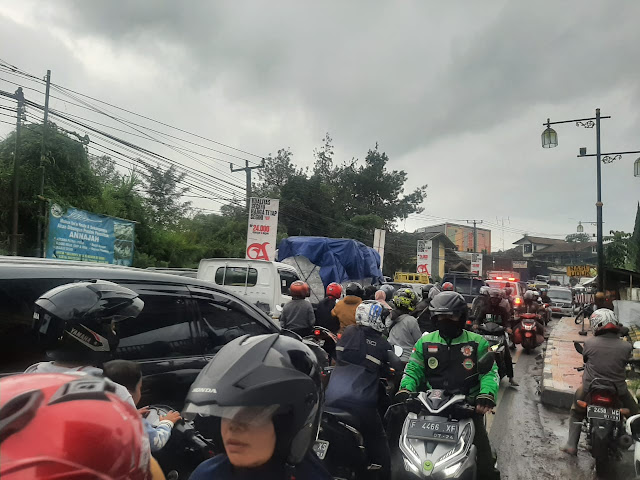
300	289
69	426
447	287
334	290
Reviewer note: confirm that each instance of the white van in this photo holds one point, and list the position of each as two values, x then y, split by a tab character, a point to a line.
262	283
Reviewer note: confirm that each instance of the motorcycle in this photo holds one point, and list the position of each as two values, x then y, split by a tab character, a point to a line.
186	449
496	336
437	434
324	339
604	424
340	445
527	334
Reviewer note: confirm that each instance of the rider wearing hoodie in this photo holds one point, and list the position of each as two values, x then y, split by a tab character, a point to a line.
345	309
404	330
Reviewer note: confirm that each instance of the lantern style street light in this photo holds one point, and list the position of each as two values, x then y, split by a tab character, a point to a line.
636	168
549	137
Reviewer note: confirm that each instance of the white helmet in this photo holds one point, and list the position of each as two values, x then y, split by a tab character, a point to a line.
604	319
371	314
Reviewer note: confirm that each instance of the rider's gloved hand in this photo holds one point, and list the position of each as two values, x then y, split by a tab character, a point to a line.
402	396
485	403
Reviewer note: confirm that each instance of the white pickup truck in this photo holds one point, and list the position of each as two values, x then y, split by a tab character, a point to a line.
262	283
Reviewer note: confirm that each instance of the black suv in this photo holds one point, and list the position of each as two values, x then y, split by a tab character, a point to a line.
467	284
183	324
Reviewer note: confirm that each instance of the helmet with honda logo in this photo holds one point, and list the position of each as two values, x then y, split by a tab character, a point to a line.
69	426
300	289
447	287
371	314
334	290
79	321
604	320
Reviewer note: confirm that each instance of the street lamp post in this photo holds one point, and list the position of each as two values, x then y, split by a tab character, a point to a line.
550	140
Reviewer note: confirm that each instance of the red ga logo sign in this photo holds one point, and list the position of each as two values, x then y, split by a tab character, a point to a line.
258	251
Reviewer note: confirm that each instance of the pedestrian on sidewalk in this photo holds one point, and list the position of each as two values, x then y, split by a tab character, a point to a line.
605	356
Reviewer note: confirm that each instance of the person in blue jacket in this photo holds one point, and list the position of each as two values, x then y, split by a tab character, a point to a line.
264	397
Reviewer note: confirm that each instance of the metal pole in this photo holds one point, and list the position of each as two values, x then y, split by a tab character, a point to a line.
248	170
475	238
16	171
600	247
39	237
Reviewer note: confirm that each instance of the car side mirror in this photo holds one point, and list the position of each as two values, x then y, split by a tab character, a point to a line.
579	347
485	364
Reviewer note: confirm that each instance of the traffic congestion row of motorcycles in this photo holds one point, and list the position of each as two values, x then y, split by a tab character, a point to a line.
393	386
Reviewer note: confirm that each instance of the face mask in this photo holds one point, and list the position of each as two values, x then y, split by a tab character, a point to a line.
450	329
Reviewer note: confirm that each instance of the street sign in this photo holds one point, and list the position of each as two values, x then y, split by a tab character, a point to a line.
519	264
580	270
263	229
424	256
476	263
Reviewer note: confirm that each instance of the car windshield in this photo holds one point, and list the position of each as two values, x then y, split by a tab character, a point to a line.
564	295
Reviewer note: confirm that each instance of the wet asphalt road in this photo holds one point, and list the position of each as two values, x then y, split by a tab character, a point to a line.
527	435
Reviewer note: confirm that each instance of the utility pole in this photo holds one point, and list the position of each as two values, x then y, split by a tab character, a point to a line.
247	169
40	236
475	234
19	96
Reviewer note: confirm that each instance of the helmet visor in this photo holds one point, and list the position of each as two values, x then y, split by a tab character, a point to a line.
251	416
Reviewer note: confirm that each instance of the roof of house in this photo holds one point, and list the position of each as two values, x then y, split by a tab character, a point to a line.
566	247
440	236
539	240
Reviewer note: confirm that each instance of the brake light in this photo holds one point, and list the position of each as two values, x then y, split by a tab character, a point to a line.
498	278
317	332
600	399
512	279
518	301
469	322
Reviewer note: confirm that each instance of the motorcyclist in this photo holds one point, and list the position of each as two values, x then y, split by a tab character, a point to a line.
404	330
381	297
77	324
345	309
363	357
326	305
605	356
297	315
529	305
447	287
370	292
447	359
70	426
544	296
494	304
422	314
263	395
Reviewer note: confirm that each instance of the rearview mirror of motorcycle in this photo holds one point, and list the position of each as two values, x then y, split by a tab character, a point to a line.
397	349
485	364
578	346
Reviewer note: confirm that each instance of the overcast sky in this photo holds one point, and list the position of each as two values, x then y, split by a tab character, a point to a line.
454	92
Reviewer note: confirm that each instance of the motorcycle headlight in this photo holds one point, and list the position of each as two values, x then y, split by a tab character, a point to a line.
460	448
450	471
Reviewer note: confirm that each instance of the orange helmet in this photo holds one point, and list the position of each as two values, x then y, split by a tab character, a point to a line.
300	289
69	426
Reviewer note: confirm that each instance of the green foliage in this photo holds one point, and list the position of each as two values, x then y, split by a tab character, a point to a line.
617	250
635	242
577	238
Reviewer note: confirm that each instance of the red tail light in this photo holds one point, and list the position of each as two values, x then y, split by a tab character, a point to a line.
339	336
601	399
469	322
317	332
528	334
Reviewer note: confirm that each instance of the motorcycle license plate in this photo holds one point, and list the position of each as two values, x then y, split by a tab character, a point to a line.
320	448
493	338
603	413
428	430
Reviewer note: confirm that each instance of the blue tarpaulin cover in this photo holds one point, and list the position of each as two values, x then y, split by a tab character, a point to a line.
339	259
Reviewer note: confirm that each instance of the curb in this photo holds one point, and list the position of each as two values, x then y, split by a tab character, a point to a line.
550	395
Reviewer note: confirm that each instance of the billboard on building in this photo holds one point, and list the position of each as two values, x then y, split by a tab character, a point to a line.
263	229
88	237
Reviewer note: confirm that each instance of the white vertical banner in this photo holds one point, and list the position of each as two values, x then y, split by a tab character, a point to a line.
476	263
263	228
424	256
378	243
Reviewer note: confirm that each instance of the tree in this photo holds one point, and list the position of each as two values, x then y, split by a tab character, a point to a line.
616	251
276	172
323	166
577	238
164	195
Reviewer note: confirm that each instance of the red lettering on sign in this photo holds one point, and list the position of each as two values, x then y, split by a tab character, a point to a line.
258	251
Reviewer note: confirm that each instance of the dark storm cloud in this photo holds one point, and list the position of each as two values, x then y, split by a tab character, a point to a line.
402	74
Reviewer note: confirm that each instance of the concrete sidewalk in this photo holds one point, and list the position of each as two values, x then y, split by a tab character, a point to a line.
560	379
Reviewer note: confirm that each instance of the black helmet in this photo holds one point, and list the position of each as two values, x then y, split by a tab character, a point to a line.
425	290
388	290
276	375
77	321
355	289
449	303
